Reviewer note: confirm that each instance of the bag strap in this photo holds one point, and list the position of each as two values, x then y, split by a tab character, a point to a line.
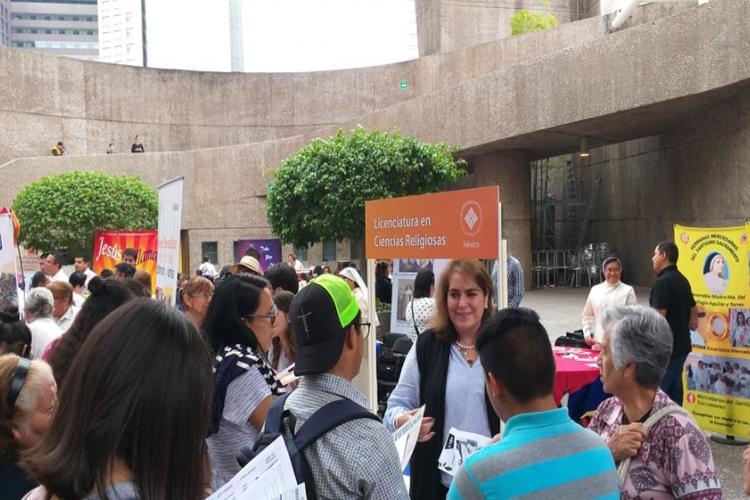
275	415
328	418
651	421
413	319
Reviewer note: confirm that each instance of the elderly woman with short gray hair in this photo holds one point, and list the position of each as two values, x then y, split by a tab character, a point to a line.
660	451
38	305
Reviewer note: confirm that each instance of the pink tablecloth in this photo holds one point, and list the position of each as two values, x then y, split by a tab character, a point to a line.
575	369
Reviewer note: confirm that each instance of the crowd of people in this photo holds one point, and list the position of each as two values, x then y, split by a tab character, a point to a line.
121	396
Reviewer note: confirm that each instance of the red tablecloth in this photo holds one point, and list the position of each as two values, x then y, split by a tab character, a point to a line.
575	369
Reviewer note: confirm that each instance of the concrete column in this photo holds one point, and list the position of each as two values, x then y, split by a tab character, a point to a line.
510	170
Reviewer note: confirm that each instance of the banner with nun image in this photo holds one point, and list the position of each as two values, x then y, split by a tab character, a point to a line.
717	372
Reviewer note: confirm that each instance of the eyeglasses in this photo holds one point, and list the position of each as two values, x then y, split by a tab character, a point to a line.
203	295
271	316
365	329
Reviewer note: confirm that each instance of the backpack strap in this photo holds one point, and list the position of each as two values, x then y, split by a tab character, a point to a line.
275	415
328	418
651	421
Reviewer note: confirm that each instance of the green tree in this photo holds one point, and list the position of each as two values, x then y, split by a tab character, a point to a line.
527	21
64	211
319	193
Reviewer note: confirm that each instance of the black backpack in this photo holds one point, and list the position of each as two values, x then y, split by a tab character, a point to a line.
572	339
325	419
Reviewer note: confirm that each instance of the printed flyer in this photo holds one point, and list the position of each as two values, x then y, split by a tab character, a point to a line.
717	372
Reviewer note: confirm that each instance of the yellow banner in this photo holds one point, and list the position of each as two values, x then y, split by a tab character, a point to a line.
717	373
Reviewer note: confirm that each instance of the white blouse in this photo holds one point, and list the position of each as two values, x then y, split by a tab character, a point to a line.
417	312
601	297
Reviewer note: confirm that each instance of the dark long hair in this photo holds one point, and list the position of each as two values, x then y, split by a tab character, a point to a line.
138	391
106	296
236	298
423	282
14	334
283	301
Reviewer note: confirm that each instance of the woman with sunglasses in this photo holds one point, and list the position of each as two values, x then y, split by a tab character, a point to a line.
28	398
239	325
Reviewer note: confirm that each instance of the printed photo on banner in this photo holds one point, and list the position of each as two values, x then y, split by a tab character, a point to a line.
716	273
739	329
413	265
718	375
405	296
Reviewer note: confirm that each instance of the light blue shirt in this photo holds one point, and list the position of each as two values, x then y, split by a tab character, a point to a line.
541	455
465	407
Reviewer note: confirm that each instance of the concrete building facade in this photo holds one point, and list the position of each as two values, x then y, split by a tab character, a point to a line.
655	99
63	27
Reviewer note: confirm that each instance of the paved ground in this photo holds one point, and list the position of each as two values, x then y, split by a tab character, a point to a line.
560	311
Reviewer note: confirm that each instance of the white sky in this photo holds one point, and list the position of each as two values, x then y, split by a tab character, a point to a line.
281	35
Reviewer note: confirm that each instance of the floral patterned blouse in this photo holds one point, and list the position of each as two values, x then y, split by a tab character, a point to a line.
674	461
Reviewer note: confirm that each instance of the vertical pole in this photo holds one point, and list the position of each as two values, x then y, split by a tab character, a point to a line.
367	381
504	268
502	264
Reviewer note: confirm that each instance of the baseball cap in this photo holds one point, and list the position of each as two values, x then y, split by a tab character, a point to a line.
248	263
319	313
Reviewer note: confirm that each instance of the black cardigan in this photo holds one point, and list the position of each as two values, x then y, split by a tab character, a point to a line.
432	359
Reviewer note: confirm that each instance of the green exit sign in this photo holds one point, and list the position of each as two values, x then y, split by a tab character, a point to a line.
404	85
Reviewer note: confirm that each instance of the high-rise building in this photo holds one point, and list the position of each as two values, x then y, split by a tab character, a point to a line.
4	22
61	27
121	32
236	36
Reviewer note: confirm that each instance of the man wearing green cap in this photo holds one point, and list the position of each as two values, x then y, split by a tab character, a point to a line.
357	459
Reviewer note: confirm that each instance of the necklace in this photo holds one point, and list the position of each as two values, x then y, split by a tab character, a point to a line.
464	349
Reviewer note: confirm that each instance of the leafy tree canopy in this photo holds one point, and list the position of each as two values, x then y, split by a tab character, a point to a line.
319	193
526	21
64	211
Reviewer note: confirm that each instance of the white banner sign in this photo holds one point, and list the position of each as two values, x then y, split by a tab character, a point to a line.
168	252
8	283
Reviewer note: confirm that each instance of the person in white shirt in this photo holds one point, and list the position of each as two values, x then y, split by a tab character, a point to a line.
207	269
610	293
63	310
744	382
358	286
81	265
419	309
38	314
53	267
702	377
295	264
78	282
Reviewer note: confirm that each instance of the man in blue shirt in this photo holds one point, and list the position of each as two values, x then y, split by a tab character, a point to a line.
542	452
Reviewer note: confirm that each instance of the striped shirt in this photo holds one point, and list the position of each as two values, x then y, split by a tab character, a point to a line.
541	455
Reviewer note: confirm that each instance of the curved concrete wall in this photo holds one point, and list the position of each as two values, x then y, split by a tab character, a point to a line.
88	104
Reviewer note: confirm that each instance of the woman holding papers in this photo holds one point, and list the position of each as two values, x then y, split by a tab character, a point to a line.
239	325
444	373
133	413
